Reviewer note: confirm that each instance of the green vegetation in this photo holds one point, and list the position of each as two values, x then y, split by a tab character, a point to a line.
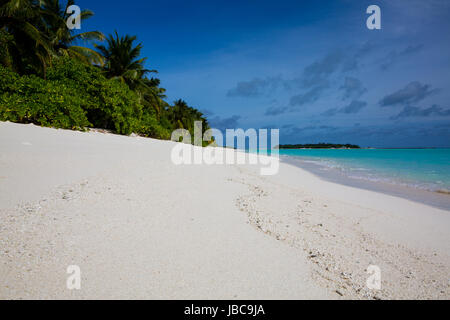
49	80
318	146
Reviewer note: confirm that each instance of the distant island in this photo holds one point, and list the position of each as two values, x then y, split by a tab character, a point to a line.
318	146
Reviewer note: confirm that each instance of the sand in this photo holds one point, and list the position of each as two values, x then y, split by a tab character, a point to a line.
140	227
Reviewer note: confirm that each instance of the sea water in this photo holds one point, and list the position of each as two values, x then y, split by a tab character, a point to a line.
427	169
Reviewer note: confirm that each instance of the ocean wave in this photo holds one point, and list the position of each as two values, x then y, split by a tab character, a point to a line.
358	172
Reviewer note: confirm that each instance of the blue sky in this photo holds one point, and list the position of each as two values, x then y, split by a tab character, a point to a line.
310	68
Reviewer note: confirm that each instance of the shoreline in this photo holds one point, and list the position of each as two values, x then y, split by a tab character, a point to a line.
140	227
439	198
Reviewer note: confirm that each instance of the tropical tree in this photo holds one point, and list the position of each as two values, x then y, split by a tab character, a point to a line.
38	33
28	49
62	39
35	40
183	117
123	62
6	42
153	96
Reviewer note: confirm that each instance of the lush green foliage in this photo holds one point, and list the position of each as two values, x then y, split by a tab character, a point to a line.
108	104
149	126
183	117
48	80
6	41
122	60
39	33
62	40
29	99
73	96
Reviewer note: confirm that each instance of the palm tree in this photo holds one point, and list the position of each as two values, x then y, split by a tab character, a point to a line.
153	96
62	39
123	62
183	116
178	114
37	32
28	48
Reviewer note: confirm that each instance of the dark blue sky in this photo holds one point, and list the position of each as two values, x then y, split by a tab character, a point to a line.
310	68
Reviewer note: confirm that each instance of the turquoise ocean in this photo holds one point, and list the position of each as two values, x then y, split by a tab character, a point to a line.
427	169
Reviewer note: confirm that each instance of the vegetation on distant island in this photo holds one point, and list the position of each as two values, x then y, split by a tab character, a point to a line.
318	146
48	79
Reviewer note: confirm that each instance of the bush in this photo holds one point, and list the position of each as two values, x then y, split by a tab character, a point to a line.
150	127
74	96
109	104
29	99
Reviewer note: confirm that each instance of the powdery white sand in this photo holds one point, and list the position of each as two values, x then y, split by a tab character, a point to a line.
140	227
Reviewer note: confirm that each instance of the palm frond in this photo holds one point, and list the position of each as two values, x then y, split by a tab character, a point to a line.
89	36
91	56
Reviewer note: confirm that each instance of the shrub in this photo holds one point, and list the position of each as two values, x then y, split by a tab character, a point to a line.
74	96
150	127
29	99
109	103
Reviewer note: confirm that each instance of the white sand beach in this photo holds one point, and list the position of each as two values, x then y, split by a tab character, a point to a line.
140	227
